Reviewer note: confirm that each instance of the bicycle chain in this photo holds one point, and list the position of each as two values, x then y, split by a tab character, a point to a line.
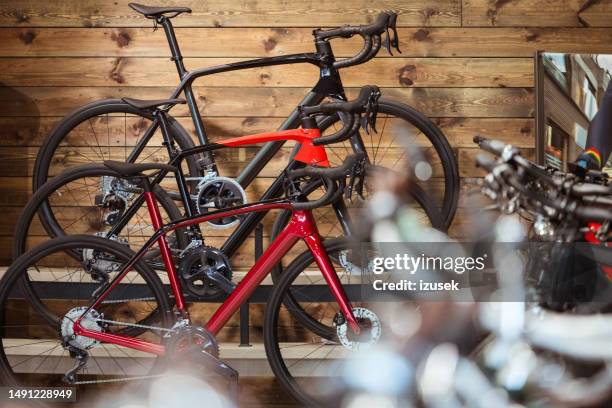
112	380
137	378
139	326
144	299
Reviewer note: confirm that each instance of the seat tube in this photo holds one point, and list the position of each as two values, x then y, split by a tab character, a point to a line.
315	245
177	57
166	254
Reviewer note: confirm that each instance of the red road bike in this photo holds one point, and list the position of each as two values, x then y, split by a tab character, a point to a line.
119	322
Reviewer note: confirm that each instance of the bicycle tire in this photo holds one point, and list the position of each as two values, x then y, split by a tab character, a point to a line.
36	205
442	147
277	272
53	140
272	339
72	243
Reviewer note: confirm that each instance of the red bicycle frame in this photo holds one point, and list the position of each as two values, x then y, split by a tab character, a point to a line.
301	226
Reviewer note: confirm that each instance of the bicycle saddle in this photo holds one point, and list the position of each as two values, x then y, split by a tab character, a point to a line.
154	103
154	12
135	169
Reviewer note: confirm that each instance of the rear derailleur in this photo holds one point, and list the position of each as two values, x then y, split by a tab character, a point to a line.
81	357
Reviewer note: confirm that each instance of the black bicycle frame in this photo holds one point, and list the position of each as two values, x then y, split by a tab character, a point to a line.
248	224
329	84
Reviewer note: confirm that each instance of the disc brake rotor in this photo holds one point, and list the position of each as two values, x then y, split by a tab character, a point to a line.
371	330
89	322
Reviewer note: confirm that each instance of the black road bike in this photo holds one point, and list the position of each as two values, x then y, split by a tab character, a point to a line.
124	131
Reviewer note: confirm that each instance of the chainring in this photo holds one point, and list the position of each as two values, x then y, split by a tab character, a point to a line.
188	338
220	193
192	271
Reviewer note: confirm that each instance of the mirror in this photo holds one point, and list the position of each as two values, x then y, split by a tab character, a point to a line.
569	91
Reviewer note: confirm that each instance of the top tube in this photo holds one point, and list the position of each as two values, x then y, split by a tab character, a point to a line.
190	76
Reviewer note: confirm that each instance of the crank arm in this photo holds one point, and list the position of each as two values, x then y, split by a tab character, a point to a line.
221	281
216	366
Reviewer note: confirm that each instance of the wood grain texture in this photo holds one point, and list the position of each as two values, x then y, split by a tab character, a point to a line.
557	13
467	64
26	132
266	13
272	102
262	42
152	72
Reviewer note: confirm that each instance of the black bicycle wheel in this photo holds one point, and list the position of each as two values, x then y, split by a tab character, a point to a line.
406	140
403	135
307	359
424	214
106	130
89	199
37	347
424	208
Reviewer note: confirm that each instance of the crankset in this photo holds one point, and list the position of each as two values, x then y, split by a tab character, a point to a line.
206	273
191	344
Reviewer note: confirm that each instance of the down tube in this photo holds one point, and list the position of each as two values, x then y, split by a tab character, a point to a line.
275	252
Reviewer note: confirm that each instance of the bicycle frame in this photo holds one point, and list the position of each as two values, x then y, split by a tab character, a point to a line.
305	153
302	226
329	84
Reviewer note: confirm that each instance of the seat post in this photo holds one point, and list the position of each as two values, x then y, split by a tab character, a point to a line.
177	57
178	174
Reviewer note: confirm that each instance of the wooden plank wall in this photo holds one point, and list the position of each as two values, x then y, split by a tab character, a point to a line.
466	63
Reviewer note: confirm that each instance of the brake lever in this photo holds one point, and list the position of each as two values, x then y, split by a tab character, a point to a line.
356	180
393	25
291	186
388	41
368	120
374	114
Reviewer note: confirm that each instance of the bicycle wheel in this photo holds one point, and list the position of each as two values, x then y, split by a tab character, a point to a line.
90	199
424	215
38	347
302	357
106	130
406	139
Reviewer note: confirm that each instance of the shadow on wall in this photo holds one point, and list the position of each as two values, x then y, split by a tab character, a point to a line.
19	143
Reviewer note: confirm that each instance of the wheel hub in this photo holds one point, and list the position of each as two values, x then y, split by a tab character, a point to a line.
89	322
370	330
